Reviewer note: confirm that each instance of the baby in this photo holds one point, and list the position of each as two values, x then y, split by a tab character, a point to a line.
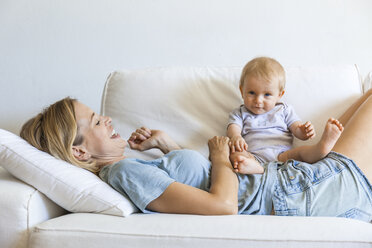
262	129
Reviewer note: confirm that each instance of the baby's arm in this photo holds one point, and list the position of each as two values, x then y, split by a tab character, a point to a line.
302	131
237	143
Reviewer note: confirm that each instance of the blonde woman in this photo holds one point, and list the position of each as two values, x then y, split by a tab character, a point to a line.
182	181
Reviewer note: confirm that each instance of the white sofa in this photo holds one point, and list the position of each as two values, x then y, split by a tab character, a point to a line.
192	105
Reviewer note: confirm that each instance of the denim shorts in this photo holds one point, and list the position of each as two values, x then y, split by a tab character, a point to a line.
333	186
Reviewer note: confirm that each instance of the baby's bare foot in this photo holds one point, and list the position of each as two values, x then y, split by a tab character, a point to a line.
332	132
245	164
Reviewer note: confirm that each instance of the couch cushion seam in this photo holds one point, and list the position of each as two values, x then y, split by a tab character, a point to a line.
37	229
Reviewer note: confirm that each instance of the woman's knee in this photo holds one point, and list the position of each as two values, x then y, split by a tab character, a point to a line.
369	92
368	101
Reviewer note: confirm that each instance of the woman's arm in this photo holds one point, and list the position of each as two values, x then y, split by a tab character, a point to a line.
144	139
222	197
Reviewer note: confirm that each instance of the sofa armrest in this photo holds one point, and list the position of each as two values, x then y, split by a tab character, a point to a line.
21	208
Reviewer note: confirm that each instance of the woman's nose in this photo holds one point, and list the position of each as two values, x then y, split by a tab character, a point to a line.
107	120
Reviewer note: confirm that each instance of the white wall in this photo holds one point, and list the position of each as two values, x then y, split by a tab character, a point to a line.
50	49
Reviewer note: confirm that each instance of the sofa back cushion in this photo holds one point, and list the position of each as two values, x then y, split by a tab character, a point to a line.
192	104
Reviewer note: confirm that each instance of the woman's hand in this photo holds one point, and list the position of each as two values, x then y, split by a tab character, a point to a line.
219	148
144	139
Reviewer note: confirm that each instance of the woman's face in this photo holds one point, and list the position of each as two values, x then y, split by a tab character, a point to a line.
100	141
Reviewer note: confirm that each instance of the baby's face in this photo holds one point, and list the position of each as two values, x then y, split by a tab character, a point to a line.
259	95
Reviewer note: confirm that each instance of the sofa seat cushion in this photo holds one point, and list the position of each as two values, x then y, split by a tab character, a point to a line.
169	230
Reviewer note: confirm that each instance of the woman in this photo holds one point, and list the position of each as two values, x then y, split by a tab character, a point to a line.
181	180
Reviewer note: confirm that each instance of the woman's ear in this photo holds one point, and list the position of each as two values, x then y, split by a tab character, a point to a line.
80	153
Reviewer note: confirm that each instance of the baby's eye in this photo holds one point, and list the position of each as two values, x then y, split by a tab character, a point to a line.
267	94
251	92
98	122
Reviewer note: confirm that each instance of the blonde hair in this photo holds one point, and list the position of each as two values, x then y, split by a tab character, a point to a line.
55	131
265	68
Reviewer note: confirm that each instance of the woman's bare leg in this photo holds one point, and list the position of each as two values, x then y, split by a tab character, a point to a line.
353	108
356	140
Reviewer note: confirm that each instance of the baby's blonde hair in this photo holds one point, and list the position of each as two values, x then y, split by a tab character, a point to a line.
55	131
264	68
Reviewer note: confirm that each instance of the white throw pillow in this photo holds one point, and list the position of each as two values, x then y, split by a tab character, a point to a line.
73	188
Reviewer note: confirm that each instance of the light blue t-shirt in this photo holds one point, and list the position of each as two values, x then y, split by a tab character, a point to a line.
268	134
143	181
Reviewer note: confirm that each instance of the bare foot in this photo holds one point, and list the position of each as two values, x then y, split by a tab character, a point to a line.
245	163
218	147
332	132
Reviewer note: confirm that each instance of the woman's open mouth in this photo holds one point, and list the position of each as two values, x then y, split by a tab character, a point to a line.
114	134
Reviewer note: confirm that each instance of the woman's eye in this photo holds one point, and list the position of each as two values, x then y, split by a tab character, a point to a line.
251	92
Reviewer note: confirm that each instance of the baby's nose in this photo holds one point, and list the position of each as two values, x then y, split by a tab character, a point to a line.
258	99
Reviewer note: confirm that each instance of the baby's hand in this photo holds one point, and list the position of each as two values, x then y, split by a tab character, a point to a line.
307	130
238	144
